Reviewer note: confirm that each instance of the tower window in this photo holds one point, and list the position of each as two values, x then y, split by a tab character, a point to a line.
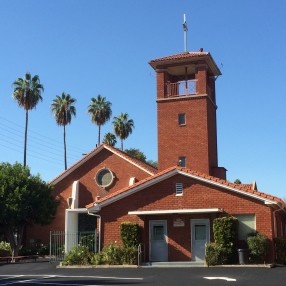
179	189
182	161
182	119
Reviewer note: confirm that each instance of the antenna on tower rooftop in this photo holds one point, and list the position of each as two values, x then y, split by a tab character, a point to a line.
185	33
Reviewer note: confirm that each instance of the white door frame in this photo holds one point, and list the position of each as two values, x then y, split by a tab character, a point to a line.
199	221
164	222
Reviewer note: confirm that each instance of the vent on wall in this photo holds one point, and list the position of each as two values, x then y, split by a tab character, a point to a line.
179	189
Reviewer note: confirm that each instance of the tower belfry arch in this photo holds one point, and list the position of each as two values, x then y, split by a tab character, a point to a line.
186	112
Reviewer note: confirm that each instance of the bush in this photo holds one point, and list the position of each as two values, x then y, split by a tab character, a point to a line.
129	255
280	250
111	254
216	254
5	248
225	235
129	233
78	255
257	245
34	250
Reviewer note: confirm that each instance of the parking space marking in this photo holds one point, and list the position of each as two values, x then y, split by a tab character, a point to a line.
39	279
221	278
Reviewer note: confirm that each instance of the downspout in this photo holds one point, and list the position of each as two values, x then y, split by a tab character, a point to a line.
275	222
99	228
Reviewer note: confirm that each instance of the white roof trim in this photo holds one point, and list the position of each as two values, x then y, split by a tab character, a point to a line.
179	211
130	161
245	193
134	190
90	155
172	173
79	210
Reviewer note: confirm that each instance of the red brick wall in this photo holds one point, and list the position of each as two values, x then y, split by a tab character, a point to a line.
196	195
196	140
88	189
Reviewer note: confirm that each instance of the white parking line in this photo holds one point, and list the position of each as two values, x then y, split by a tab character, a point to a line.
221	278
38	277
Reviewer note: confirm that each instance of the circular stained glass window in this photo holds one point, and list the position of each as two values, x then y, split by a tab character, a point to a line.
104	177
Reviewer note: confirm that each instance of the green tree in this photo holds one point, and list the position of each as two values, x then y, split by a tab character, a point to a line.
152	163
63	109
237	181
24	200
27	92
122	127
100	112
136	153
109	139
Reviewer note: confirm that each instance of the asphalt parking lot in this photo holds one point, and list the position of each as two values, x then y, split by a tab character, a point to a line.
44	273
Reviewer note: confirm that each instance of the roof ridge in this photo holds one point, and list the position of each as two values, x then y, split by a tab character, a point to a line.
148	168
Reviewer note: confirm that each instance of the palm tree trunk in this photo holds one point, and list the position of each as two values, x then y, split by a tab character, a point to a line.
65	147
25	141
121	144
98	135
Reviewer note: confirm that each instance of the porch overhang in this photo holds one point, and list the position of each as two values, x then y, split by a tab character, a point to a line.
178	211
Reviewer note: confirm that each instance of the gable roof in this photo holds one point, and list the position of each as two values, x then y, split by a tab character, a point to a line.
161	176
141	165
187	57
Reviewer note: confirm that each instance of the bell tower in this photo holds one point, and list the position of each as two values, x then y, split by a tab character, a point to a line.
186	112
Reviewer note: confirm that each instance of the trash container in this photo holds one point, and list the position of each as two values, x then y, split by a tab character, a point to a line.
243	256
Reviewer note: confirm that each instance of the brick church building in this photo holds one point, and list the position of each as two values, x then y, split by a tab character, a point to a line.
175	204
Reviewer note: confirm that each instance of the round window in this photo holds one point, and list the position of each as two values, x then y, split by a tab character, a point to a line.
104	177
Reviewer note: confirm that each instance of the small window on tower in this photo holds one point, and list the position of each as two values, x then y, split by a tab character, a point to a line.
182	161
182	119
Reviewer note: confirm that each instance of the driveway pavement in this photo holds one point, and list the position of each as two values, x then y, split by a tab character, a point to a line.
44	273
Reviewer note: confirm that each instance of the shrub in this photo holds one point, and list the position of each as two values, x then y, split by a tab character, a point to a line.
5	248
111	254
257	245
280	250
96	258
34	250
216	254
78	255
129	233
225	235
129	255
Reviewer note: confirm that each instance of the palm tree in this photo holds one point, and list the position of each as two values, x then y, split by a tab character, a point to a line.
122	127
109	139
63	109
27	92
100	111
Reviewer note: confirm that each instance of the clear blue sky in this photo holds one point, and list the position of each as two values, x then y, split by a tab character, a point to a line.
91	47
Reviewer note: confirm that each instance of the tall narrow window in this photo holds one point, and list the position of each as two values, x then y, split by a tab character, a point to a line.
179	189
182	161
182	119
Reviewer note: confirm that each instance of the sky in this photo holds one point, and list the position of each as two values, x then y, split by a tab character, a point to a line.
91	47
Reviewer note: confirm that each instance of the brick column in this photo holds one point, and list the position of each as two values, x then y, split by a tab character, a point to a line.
161	83
201	77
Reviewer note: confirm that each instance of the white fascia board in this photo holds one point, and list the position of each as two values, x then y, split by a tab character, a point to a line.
138	188
77	164
178	211
94	208
80	210
266	201
130	161
90	155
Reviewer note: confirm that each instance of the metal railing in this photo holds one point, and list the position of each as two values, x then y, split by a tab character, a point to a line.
141	253
61	242
181	88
